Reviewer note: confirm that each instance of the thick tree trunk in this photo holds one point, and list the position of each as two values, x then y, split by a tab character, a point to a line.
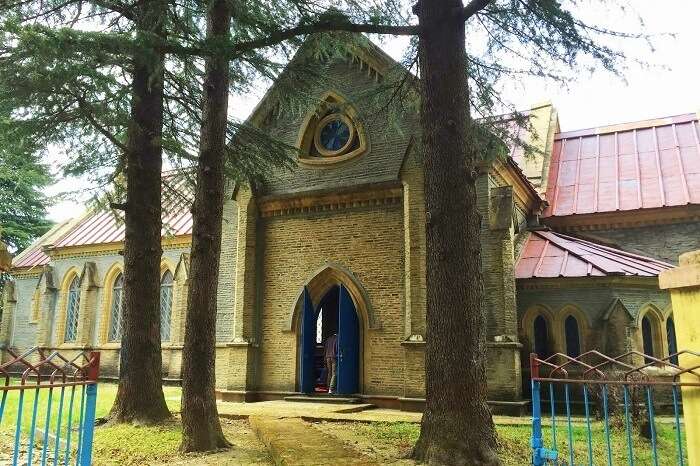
140	394
200	419
457	427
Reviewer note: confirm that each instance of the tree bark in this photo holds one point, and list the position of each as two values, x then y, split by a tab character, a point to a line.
200	419
140	394
457	428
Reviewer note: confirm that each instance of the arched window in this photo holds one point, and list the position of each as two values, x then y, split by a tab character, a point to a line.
117	309
166	304
541	337
72	311
573	337
647	337
671	336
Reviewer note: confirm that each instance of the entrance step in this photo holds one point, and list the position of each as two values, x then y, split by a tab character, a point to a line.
356	408
330	399
293	442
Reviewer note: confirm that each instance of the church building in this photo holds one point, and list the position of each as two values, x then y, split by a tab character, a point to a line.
573	239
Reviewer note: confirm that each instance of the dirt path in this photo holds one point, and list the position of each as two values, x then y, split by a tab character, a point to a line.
293	442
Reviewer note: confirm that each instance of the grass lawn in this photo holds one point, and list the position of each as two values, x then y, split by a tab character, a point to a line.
390	442
127	444
385	442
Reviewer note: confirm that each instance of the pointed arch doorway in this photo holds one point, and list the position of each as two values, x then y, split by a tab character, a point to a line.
335	313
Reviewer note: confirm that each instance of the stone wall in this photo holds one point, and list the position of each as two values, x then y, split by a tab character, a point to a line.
94	268
607	311
369	243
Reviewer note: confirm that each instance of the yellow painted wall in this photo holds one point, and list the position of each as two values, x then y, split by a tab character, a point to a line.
684	284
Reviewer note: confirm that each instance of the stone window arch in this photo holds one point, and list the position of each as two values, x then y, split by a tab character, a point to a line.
111	322
166	304
572	337
573	331
116	309
333	113
671	339
537	328
651	340
72	314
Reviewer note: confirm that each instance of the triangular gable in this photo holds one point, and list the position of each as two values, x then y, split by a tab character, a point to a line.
47	279
614	305
366	54
182	270
88	276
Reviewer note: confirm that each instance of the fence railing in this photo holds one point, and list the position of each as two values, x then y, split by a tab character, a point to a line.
612	410
47	407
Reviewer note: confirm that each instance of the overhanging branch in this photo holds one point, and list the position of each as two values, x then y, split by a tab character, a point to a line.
474	7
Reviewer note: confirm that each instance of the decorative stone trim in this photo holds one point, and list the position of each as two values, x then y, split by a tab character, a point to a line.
624	219
108	249
333	273
587	282
331	201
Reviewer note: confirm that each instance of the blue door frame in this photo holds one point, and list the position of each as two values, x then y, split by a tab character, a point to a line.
307	344
348	364
348	345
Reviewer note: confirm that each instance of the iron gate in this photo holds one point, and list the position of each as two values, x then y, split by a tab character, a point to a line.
54	398
609	410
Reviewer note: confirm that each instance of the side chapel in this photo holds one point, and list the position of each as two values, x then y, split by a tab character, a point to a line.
574	238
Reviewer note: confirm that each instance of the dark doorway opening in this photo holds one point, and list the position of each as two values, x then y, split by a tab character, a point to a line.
334	314
326	325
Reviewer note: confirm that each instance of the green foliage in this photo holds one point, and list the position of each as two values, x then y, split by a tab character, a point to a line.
65	74
22	178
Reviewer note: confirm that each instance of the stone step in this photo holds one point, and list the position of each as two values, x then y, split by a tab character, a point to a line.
330	399
355	408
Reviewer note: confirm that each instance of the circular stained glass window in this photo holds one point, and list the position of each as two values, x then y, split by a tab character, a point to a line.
334	134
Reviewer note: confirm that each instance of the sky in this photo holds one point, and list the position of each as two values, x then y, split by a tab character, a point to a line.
668	86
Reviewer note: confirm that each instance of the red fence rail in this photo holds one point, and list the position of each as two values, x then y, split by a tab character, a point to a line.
44	374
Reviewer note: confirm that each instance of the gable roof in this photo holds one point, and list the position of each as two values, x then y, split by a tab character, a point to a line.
547	254
34	255
627	167
104	225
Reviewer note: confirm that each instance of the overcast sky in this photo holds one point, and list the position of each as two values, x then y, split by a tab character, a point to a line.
669	87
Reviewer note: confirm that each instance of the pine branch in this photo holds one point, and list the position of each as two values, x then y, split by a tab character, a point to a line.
88	114
474	7
322	26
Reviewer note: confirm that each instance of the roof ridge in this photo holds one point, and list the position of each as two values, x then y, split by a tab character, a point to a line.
558	241
628	125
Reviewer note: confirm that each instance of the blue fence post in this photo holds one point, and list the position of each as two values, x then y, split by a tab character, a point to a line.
88	427
539	453
536	440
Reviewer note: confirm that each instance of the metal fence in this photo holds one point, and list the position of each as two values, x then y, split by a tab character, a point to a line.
47	407
609	410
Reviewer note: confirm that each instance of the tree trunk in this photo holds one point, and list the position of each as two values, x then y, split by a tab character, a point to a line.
140	394
457	427
200	419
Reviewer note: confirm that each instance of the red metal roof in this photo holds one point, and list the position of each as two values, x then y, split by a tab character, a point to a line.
547	255
641	165
34	255
106	226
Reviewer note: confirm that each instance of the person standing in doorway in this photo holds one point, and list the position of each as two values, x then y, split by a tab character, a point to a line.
331	356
